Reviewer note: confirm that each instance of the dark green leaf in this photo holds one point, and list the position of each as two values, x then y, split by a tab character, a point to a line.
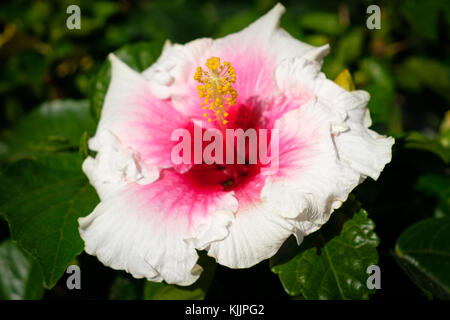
423	17
439	187
163	291
416	140
124	288
419	72
237	22
332	263
424	252
344	52
325	22
20	277
42	200
381	86
54	127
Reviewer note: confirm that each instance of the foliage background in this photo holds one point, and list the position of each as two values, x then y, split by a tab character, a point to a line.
50	75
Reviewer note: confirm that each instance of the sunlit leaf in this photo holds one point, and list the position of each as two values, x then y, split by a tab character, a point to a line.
332	262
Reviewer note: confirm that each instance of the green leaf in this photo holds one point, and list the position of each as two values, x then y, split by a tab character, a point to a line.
444	130
382	104
138	56
332	262
418	72
416	140
163	291
196	291
237	22
344	52
124	288
423	17
55	126
42	200
20	277
439	187
324	22
423	250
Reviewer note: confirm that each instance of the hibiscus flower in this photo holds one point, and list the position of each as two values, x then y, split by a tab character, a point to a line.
155	214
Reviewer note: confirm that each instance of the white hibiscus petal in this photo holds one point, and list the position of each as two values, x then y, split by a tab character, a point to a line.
266	35
255	234
136	230
363	149
133	135
339	150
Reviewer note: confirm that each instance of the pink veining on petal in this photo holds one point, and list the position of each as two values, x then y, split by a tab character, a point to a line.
179	196
149	129
198	191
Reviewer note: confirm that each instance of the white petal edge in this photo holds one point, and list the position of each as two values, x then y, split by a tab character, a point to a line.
177	62
255	234
125	235
116	160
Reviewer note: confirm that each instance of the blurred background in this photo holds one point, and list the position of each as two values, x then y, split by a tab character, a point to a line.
405	66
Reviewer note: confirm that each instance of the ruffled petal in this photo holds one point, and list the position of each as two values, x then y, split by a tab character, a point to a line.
255	234
364	150
326	147
133	137
151	230
254	53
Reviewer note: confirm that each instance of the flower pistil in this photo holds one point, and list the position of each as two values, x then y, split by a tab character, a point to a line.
216	89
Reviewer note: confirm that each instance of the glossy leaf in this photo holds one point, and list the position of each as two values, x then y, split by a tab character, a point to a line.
424	252
55	126
42	200
332	263
20	277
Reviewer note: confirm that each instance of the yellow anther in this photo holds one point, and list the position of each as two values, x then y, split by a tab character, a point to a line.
215	88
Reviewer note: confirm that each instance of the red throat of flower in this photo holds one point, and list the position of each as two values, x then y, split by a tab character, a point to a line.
218	97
